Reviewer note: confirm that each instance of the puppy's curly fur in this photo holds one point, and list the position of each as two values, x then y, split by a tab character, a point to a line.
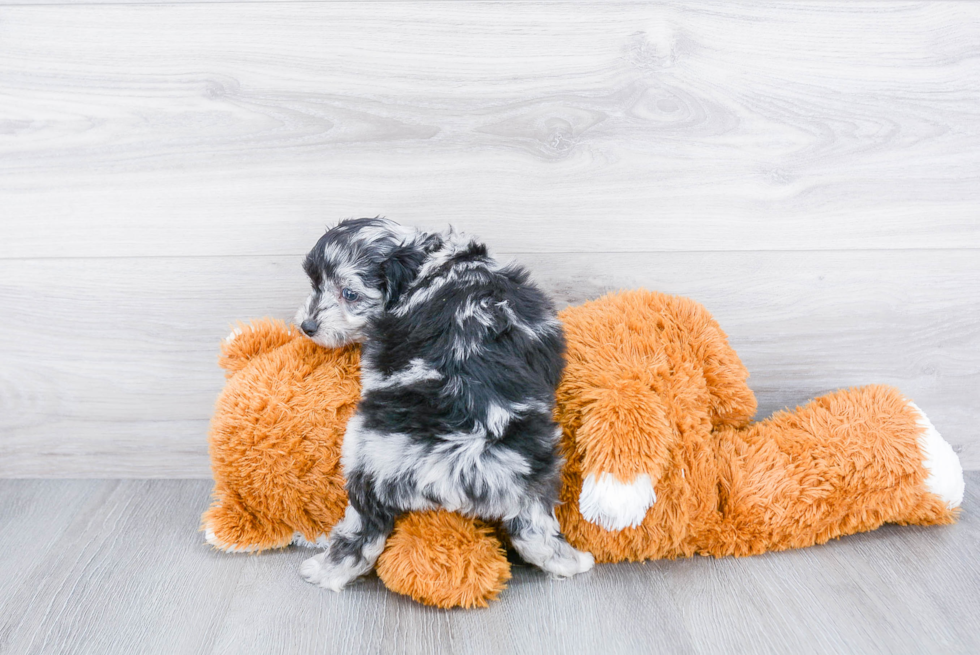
460	360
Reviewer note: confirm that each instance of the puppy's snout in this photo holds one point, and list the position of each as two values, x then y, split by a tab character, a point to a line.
309	327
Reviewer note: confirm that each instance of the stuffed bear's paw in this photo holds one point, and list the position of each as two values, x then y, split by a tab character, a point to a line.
566	562
323	572
303	542
212	538
614	505
940	460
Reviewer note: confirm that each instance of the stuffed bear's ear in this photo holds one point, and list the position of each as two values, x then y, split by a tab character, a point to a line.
399	270
253	339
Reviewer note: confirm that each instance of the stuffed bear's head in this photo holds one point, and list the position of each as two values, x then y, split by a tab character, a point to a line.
275	437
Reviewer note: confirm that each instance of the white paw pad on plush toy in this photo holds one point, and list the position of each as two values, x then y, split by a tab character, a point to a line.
616	505
945	471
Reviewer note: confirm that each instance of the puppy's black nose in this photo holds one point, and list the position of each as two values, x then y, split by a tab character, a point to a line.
309	326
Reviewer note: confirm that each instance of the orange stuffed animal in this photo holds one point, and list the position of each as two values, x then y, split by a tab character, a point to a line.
661	457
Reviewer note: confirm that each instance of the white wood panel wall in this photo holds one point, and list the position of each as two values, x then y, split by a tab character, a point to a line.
808	170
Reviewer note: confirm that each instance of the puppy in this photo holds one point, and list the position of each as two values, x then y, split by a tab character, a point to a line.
459	364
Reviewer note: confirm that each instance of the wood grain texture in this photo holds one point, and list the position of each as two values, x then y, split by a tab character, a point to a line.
108	366
117	566
210	129
808	170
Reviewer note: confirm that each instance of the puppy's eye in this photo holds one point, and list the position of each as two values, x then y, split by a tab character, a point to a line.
349	294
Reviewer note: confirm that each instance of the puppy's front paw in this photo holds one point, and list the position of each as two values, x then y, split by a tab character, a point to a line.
321	571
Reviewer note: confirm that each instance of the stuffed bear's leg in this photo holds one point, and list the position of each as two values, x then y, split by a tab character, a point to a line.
846	462
624	441
228	526
444	559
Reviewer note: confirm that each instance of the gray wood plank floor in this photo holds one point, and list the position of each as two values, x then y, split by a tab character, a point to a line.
117	566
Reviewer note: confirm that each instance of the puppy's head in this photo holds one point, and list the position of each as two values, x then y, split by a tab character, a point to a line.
357	269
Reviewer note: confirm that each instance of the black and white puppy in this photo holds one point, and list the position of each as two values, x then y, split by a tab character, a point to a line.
459	364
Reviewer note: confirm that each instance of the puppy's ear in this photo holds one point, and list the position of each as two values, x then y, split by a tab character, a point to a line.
398	271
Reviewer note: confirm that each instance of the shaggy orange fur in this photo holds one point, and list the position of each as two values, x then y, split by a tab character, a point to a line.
662	392
443	559
651	388
275	438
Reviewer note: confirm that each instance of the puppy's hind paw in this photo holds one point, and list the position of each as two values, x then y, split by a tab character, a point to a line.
310	569
319	570
568	562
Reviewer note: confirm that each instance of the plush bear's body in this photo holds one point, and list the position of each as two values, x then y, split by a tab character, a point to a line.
653	388
661	457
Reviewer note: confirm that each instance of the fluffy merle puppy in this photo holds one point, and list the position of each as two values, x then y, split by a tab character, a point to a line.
460	360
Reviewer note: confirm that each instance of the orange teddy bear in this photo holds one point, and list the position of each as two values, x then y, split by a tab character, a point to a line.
661	459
